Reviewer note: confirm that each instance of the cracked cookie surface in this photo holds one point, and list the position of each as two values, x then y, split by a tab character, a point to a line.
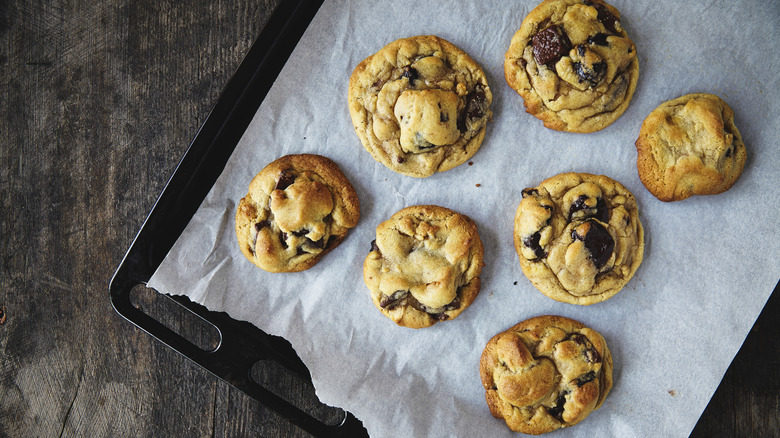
424	265
578	237
573	64
420	105
690	146
297	209
545	373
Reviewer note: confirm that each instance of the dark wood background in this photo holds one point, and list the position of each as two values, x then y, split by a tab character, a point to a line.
100	99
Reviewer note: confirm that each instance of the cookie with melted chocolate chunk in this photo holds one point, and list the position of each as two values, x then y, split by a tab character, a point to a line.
573	64
545	373
420	105
690	146
578	237
297	209
424	266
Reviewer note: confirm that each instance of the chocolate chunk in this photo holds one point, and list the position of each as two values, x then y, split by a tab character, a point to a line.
557	410
529	192
600	39
300	233
410	73
260	225
286	178
549	45
592	74
394	300
591	354
328	243
532	242
588	377
374	247
604	15
600	212
476	106
597	241
454	304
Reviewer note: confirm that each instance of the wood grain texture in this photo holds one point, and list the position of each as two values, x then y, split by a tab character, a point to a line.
99	102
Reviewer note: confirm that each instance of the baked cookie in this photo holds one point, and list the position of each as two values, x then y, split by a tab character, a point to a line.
578	237
573	64
545	373
424	265
298	208
690	146
420	105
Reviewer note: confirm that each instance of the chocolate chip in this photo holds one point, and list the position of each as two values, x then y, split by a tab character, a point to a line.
600	39
400	159
729	151
604	15
374	247
284	240
300	233
286	178
443	117
600	212
394	300
597	241
591	75
549	45
532	242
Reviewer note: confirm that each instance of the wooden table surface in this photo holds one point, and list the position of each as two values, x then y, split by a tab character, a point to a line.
100	100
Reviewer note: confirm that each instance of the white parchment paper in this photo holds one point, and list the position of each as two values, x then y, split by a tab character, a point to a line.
709	266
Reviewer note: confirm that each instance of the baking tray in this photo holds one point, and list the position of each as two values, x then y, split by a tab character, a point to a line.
239	345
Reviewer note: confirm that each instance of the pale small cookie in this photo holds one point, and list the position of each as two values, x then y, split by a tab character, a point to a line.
578	237
690	146
573	64
424	265
299	207
420	105
545	373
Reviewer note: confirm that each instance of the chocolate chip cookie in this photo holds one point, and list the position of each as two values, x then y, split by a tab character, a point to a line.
578	237
690	146
424	265
299	207
545	373
573	64
420	105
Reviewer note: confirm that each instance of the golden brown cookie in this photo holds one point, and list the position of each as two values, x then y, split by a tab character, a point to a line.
424	265
578	237
299	207
545	373
690	146
573	64
420	105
